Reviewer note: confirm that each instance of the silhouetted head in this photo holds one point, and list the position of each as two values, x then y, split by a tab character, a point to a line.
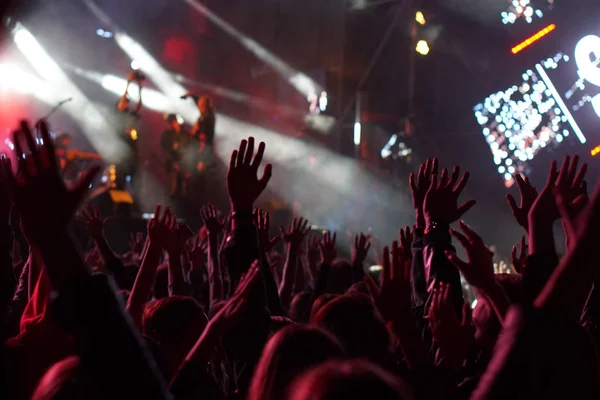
348	380
175	323
319	303
290	352
340	277
354	320
301	306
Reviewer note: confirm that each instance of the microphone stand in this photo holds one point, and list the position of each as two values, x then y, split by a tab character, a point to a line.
52	111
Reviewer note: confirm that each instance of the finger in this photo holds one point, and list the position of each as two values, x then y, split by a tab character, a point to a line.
563	211
462	239
367	247
434	166
458	263
443	178
268	171
427	171
249	152
470	233
579	178
462	210
512	203
563	174
462	183
96	212
454	176
267	221
411	182
513	255
259	156
49	155
523	242
421	174
85	214
334	238
433	184
573	168
157	212
396	265
83	184
552	174
32	147
242	152
521	184
21	157
282	231
233	159
356	242
386	273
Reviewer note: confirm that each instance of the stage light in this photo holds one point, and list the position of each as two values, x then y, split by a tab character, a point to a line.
82	110
529	41
104	34
135	65
357	129
595	151
420	18
323	101
422	47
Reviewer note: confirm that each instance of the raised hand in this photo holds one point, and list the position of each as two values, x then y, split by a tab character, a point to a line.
198	250
160	227
479	269
393	297
327	247
243	185
452	335
295	234
262	220
362	244
210	217
571	187
136	242
420	186
528	195
441	201
406	239
44	201
92	221
519	260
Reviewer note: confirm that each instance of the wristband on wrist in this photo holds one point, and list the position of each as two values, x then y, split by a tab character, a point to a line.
437	233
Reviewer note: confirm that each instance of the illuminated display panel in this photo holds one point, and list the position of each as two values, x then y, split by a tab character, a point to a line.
526	11
556	100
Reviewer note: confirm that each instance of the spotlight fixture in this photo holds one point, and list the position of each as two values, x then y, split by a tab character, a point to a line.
422	47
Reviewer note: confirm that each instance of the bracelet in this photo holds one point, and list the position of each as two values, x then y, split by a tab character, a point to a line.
436	227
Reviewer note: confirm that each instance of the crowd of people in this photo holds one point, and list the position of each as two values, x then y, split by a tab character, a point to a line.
211	315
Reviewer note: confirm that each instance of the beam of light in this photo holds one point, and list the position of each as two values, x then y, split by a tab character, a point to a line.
334	190
94	125
15	79
302	82
152	99
534	38
561	103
